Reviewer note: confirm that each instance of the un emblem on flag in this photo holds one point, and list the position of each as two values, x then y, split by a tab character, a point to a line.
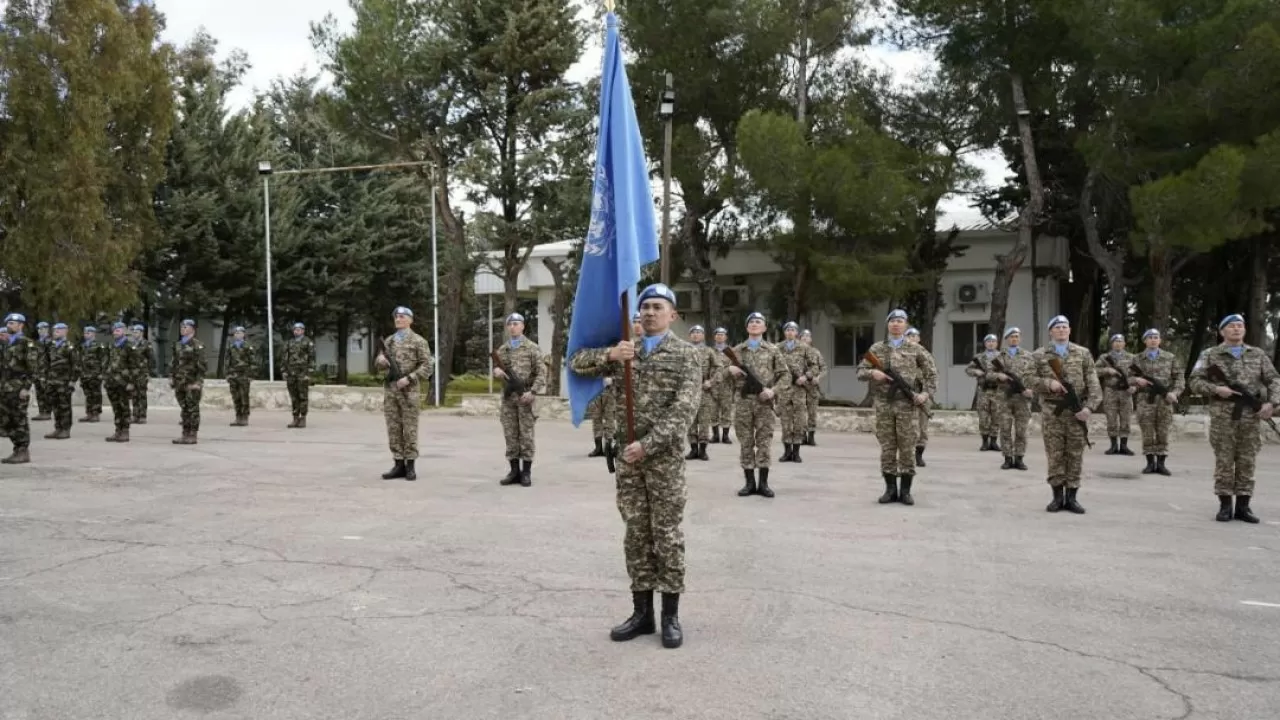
601	232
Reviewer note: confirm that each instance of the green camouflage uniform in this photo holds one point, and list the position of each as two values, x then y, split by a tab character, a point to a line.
297	364
723	398
1155	414
122	366
753	417
61	374
897	419
1117	401
21	362
1235	442
923	414
651	493
602	411
711	369
813	390
242	359
524	361
44	410
401	408
146	360
1064	435
186	376
988	391
93	363
1013	411
793	401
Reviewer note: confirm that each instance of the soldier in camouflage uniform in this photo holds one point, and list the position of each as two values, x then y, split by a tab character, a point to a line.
522	358
897	417
186	377
601	413
1064	433
923	415
61	374
4	345
988	389
44	409
712	370
242	358
1155	413
121	368
1013	413
650	478
724	395
802	367
298	362
754	413
401	402
21	362
1117	395
1235	442
93	362
146	359
813	389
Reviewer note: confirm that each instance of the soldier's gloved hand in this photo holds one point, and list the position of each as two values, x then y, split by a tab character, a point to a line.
736	371
1266	411
1083	415
623	351
1224	392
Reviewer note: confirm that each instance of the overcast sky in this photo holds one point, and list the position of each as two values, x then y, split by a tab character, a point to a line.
276	36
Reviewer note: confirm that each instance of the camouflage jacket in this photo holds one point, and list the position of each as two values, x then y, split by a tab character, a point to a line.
21	362
1113	370
1016	365
413	357
241	361
980	368
188	365
525	362
64	363
123	364
42	358
666	390
1165	369
1079	369
912	362
146	358
820	372
1253	369
712	366
767	363
299	359
801	360
728	382
93	360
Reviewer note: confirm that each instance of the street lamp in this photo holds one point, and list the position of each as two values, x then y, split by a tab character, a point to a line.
264	169
666	110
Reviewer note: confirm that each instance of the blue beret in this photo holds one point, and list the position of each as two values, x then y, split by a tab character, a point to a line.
1059	320
118	326
1012	331
1151	333
237	329
1116	337
1233	317
896	315
912	331
791	325
15	317
635	318
806	332
515	317
188	323
139	327
42	324
402	310
658	290
60	326
90	329
721	331
755	316
989	337
299	326
697	328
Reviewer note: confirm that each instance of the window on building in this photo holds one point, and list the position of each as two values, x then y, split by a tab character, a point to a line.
851	342
966	341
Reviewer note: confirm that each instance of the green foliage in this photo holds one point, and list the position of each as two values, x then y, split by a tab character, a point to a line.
1197	209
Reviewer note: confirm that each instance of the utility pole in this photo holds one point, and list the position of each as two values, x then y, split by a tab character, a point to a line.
666	110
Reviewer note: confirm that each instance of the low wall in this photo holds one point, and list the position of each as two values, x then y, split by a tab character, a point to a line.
266	396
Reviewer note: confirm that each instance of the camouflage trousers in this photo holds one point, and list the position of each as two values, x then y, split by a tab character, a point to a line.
189	403
41	391
700	430
60	404
92	388
602	412
119	397
1063	447
139	399
922	427
517	428
753	421
725	401
793	411
1118	405
16	423
988	400
1154	420
896	432
239	395
812	395
651	499
1235	446
1013	414
401	410
299	390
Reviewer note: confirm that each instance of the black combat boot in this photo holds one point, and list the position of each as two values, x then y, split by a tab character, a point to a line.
1018	464
750	487
672	635
512	477
1243	512
764	484
410	472
786	456
1008	463
795	453
1124	447
813	438
1114	449
702	451
526	473
20	456
693	451
919	456
396	472
904	496
986	443
599	451
293	424
995	446
1070	504
1151	465
1224	508
1056	505
715	435
724	436
890	489
1160	468
641	620
302	422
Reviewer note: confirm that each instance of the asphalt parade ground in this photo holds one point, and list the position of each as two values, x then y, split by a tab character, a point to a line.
270	573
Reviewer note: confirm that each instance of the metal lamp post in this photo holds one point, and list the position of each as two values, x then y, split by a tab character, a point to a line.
264	169
666	110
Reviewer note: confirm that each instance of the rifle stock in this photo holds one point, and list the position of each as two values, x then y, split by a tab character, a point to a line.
512	385
393	366
1122	382
1072	400
752	385
1015	386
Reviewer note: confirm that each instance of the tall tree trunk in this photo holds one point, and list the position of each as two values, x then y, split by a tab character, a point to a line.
1112	263
1255	317
698	251
222	343
344	340
1165	265
560	308
1007	265
452	280
1197	337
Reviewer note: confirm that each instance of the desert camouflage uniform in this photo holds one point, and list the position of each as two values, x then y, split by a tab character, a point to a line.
525	362
988	392
147	357
1155	414
923	415
724	398
652	492
793	401
242	358
601	412
188	368
711	364
93	363
61	374
298	363
1235	442
1013	410
897	418
120	372
1064	435
17	374
753	417
813	391
1117	401
402	408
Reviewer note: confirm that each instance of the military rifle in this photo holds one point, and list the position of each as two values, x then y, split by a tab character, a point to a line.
896	382
1154	389
1015	386
1243	397
752	385
1072	400
393	366
1122	382
512	385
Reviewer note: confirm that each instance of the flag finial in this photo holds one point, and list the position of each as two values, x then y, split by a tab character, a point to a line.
608	5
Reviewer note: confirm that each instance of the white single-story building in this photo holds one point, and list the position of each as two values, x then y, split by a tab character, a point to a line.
745	277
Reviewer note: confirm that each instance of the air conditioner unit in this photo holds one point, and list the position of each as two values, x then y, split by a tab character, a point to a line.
735	297
977	293
688	301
